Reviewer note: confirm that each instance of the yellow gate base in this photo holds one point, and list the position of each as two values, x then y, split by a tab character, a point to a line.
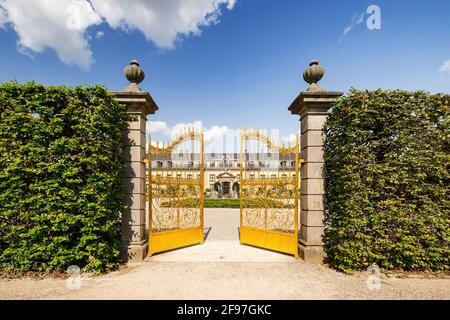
277	241
174	239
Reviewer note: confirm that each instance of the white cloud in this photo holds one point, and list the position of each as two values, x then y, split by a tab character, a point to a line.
99	34
217	138
445	67
215	133
3	17
42	24
357	19
210	134
158	127
62	25
231	4
290	140
181	127
161	21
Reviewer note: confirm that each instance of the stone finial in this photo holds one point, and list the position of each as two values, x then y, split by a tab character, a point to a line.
313	74
135	74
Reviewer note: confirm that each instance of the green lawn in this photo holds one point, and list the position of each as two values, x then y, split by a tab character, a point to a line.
222	203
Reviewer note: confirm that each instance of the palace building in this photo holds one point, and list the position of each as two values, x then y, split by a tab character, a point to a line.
224	168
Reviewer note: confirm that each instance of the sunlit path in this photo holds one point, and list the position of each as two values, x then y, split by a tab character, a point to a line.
221	244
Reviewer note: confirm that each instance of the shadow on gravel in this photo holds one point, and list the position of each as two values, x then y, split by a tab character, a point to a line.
207	231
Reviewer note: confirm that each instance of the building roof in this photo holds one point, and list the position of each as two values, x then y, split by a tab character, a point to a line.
226	174
226	157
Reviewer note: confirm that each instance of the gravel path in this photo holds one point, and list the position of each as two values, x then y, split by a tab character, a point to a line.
224	269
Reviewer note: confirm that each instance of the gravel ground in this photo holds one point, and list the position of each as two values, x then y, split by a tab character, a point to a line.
224	269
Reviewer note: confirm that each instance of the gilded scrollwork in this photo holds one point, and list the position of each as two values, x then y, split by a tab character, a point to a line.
176	201
190	135
257	135
269	203
175	204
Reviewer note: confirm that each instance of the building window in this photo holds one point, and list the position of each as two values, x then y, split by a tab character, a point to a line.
212	178
178	175
293	164
263	176
189	176
252	176
160	164
238	177
212	165
284	176
274	176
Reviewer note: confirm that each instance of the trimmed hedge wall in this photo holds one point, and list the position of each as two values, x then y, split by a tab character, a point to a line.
60	177
387	160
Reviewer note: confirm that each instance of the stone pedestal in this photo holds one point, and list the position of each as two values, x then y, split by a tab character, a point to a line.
312	107
134	239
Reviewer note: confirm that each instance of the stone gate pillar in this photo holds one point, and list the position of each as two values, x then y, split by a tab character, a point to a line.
312	106
139	104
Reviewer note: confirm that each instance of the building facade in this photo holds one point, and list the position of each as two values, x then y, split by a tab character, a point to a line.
222	171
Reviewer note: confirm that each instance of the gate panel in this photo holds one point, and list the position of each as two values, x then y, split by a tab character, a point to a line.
269	193
175	193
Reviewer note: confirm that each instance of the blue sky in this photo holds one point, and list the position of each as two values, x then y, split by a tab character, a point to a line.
243	66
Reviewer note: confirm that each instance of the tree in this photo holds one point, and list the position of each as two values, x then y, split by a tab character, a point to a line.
236	187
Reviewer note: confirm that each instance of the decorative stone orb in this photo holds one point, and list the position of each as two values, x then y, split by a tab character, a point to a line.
314	73
134	72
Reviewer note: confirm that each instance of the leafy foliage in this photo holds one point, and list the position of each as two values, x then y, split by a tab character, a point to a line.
387	181
60	177
236	187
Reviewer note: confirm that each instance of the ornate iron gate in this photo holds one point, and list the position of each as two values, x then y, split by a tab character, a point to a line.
175	192
269	203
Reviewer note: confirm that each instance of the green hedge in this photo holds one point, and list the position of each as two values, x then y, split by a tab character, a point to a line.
387	161
60	177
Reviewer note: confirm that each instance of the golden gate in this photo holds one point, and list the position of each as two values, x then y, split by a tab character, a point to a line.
269	197
175	192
